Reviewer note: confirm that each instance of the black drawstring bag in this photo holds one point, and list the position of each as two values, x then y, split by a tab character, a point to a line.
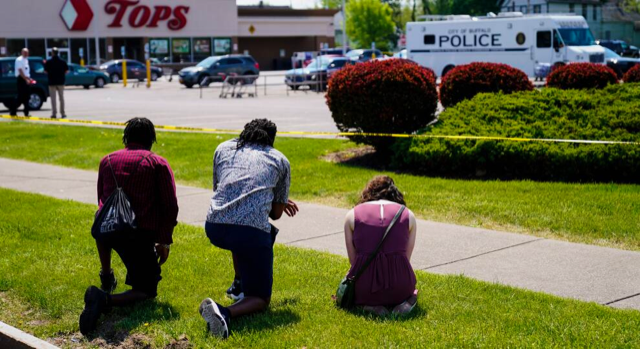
115	219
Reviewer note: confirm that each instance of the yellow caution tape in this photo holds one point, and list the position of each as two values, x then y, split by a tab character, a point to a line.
334	134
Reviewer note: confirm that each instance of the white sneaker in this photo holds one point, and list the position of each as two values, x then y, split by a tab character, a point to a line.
215	321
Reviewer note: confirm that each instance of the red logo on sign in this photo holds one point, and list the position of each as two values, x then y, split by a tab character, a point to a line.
76	14
141	15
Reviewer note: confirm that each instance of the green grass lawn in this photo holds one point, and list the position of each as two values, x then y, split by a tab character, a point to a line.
602	214
48	258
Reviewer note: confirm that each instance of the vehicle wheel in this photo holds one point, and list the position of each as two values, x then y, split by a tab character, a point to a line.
188	85
154	76
201	79
115	78
36	99
294	87
86	87
249	80
446	70
99	82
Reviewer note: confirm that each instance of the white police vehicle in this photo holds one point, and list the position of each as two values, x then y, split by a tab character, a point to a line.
522	41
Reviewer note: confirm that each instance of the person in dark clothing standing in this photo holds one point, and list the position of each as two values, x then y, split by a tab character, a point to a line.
148	181
23	79
57	69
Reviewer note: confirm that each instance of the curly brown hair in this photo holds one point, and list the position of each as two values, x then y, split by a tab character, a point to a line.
381	188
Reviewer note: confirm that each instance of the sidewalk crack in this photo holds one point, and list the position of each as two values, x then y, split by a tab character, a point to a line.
313	237
622	299
482	254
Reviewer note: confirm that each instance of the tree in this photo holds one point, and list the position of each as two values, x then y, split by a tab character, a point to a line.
331	3
369	21
475	7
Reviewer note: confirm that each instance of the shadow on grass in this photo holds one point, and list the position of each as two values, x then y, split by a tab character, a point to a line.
271	319
417	312
116	326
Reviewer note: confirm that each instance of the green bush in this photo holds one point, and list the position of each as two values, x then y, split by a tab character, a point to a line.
608	114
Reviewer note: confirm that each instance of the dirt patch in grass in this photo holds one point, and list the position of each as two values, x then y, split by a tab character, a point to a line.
360	157
115	340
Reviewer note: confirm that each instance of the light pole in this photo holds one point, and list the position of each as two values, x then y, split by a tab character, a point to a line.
344	28
95	30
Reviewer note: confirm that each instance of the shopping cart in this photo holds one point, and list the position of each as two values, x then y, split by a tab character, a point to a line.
237	86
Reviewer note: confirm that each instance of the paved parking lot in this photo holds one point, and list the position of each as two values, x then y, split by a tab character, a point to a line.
169	103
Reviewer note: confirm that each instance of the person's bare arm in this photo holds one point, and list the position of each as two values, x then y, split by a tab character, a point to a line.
413	230
276	211
348	236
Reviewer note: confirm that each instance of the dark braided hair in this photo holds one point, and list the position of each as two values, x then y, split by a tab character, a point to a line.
258	132
140	131
381	188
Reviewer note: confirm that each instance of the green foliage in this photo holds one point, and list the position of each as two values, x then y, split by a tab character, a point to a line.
589	213
335	4
475	7
369	21
45	268
609	114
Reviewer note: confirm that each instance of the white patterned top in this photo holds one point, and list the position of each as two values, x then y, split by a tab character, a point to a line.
246	182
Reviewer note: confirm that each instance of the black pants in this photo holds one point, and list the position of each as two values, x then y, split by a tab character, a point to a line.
138	255
24	91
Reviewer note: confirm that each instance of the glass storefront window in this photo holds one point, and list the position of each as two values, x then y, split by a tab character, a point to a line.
159	49
14	47
76	45
181	50
36	47
201	48
59	43
221	46
92	51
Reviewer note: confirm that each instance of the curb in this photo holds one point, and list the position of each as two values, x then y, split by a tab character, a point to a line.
13	338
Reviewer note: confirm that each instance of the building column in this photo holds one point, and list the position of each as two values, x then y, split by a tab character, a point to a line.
234	43
108	54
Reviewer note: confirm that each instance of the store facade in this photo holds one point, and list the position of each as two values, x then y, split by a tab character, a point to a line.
172	31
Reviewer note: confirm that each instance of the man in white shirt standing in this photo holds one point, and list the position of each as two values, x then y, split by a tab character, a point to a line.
23	77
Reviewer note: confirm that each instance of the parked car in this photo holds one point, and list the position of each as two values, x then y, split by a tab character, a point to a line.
9	88
135	70
401	54
364	55
82	76
315	74
618	63
337	64
621	48
217	68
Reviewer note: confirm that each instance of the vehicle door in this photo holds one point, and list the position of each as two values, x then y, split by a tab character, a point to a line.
37	73
83	75
219	68
8	88
72	76
235	66
559	47
543	51
135	70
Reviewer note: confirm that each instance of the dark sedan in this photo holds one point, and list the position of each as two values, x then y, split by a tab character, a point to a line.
618	63
135	70
217	68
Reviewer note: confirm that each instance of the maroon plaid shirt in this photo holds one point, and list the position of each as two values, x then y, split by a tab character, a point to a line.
151	189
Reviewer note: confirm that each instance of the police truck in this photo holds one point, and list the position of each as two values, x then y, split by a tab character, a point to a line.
526	42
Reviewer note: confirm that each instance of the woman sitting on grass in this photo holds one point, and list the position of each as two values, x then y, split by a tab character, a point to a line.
388	283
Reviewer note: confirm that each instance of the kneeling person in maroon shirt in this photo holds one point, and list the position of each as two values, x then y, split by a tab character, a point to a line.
148	181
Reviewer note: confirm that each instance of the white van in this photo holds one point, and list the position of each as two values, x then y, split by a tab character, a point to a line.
521	41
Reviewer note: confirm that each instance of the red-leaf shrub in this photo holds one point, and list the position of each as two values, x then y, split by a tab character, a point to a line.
465	81
581	76
632	75
389	96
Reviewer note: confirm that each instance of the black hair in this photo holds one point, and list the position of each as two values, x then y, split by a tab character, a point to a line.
258	132
140	131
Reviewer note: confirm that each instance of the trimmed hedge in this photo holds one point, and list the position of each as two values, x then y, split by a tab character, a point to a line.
465	81
389	96
609	114
582	76
632	75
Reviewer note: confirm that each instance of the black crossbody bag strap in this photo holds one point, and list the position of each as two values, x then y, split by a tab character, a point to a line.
375	252
132	173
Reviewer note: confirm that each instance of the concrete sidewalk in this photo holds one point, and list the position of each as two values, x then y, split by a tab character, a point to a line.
589	273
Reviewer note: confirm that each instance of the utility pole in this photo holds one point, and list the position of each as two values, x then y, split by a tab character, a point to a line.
344	28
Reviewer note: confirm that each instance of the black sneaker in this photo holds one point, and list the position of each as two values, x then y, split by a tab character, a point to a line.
217	323
108	282
235	291
95	302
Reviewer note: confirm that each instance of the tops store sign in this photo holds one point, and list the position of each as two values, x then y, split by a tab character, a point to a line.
77	15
